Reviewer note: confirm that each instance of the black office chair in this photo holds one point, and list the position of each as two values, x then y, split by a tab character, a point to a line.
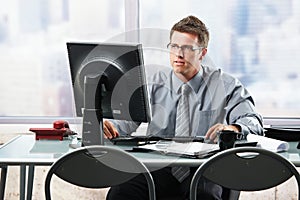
98	167
245	169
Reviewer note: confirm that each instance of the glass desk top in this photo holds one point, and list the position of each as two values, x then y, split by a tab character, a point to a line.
24	149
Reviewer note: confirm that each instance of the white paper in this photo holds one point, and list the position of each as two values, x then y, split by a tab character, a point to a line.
268	143
188	148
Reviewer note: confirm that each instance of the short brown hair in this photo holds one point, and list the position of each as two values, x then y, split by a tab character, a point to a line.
193	25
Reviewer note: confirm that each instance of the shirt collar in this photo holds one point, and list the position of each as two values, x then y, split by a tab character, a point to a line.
194	83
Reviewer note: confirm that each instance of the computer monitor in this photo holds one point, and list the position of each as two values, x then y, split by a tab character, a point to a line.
108	82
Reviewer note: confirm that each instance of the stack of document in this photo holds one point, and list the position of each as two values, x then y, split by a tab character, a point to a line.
268	143
184	149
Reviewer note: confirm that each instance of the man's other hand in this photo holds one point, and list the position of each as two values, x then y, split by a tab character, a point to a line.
212	133
110	130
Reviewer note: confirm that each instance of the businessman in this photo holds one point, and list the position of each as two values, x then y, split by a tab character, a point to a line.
191	99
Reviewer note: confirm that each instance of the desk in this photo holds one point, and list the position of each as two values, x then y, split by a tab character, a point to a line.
23	151
26	152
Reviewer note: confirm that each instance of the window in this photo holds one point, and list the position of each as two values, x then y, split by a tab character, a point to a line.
34	73
255	40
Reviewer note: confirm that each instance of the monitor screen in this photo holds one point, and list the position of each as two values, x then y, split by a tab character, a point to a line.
109	77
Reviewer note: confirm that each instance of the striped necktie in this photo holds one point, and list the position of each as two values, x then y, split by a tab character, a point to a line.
182	128
183	116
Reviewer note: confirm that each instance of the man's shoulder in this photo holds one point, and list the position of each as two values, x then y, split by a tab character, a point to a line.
160	76
212	72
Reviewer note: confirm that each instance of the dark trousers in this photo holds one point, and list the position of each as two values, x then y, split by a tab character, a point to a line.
167	187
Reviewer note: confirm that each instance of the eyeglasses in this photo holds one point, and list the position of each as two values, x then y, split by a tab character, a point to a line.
184	48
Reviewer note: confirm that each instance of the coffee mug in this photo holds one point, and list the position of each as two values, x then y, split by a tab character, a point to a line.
227	138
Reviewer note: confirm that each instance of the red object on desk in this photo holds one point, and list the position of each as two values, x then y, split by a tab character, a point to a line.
59	130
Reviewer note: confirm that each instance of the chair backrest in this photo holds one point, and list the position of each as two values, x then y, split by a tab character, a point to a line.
245	169
98	167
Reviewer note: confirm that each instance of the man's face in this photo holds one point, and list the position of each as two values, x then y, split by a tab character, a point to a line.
185	60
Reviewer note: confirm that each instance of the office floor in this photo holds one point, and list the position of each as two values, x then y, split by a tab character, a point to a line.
61	190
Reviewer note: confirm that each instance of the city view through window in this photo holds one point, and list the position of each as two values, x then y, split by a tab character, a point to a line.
257	41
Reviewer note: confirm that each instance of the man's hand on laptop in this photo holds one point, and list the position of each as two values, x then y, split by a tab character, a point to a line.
109	130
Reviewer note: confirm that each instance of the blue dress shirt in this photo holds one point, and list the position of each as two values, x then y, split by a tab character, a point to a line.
216	97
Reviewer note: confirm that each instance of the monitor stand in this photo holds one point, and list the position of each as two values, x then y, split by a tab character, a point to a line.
92	127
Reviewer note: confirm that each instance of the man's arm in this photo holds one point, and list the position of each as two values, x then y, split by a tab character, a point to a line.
241	115
247	118
115	128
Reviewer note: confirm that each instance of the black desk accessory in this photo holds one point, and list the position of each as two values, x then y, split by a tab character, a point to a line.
228	138
141	140
285	133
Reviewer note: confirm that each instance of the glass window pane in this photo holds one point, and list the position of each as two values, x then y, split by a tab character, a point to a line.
255	40
34	72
